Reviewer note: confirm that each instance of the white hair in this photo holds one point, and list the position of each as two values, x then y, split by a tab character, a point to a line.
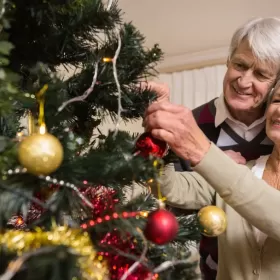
263	35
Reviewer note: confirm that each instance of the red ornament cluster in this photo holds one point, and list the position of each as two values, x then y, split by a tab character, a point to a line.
162	227
104	202
35	211
103	199
119	265
147	145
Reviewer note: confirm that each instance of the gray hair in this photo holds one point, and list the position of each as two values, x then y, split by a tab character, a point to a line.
263	35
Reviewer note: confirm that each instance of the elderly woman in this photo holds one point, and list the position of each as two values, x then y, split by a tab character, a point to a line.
250	247
235	121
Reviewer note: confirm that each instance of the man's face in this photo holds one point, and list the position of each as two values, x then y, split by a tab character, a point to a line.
247	81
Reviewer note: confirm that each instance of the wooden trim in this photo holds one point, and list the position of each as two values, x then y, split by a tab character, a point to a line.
190	61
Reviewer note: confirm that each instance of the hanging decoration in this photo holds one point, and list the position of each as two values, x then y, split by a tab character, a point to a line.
40	153
212	221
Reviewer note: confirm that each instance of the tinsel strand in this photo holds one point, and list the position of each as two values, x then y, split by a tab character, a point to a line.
77	241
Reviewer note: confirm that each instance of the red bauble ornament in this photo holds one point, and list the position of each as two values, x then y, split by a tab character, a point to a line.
148	145
162	227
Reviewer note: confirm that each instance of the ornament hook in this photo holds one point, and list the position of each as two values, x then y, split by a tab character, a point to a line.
161	198
40	96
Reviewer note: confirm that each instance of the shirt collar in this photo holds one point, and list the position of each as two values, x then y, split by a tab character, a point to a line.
222	113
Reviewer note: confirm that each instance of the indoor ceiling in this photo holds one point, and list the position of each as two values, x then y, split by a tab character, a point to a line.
184	26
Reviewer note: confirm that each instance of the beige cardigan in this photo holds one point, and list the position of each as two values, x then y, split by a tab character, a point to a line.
246	200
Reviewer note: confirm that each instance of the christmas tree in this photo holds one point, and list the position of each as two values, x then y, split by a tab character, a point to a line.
64	213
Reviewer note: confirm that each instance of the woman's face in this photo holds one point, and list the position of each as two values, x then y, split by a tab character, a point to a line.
273	118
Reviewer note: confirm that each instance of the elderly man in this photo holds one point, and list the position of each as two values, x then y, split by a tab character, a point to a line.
235	121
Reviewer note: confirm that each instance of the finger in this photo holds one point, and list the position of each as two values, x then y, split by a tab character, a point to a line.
157	86
164	106
163	135
238	159
230	152
143	85
242	160
144	126
161	119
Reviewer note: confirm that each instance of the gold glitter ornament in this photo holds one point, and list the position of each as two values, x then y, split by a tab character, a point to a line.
91	266
212	221
40	154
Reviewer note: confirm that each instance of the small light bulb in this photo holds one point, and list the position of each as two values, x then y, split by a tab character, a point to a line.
107	59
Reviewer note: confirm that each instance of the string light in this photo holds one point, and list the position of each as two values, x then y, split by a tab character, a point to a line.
110	2
85	94
107	59
54	181
4	5
114	216
115	73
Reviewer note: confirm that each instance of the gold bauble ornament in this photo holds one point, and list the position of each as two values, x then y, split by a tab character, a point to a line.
40	154
212	221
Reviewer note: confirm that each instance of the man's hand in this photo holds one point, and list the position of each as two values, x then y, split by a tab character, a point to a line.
236	156
176	125
161	90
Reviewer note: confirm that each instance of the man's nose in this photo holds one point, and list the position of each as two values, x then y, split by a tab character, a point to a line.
245	80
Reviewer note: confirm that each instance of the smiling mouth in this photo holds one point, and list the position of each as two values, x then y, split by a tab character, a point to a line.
276	123
240	93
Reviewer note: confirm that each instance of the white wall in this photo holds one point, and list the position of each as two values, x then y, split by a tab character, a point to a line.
193	88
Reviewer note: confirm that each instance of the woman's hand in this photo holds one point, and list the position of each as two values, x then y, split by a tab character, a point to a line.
236	156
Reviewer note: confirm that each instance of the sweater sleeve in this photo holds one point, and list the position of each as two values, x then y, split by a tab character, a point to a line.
251	197
185	190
